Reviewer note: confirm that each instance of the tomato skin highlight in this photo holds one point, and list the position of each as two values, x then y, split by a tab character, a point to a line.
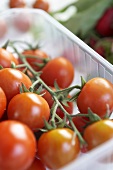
30	109
10	81
3	102
6	58
37	165
58	147
98	133
32	61
59	69
96	94
17	146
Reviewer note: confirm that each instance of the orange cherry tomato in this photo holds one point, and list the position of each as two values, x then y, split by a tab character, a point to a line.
98	133
59	69
17	3
41	4
6	58
58	147
10	81
3	102
17	146
96	94
33	61
30	109
37	165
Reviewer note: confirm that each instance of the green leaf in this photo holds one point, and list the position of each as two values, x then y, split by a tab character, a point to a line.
82	22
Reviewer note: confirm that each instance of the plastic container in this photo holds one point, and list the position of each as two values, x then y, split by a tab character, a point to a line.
57	41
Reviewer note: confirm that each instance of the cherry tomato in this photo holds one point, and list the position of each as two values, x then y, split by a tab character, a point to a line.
47	96
17	146
80	123
32	61
96	94
58	147
3	102
30	109
41	4
37	165
17	3
10	81
6	58
98	133
22	22
59	69
3	28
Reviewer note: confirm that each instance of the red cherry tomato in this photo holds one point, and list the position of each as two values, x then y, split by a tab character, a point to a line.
17	146
3	28
37	165
10	81
96	94
3	102
47	96
41	4
98	133
30	109
58	147
17	3
32	61
80	123
22	22
59	69
6	58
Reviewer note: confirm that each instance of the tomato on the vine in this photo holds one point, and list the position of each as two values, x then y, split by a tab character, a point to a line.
98	133
3	28
41	4
60	70
96	94
41	58
17	3
3	102
47	96
10	81
17	146
58	147
80	123
6	58
37	165
30	109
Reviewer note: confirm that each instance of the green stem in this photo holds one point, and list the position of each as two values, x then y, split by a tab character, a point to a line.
82	141
53	113
20	65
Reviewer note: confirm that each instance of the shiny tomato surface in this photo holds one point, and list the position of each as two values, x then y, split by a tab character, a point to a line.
60	70
98	133
6	58
58	147
96	94
30	109
10	81
3	102
17	146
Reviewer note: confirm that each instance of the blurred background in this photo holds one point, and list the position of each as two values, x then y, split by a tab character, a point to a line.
90	20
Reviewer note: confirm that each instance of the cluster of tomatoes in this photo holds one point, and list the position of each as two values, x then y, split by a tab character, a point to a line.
40	4
38	128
